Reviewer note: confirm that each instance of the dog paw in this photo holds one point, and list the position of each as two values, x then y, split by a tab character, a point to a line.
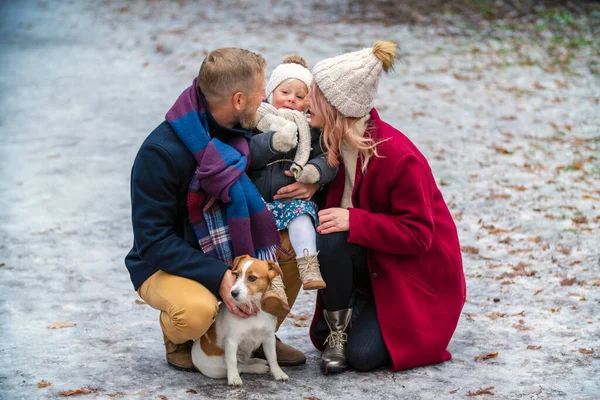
234	380
280	376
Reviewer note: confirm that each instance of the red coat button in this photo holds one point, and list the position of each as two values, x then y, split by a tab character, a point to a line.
375	275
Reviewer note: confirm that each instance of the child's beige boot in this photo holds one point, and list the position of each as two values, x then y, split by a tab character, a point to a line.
310	272
274	301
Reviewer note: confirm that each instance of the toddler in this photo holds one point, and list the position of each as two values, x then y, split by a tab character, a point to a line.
288	143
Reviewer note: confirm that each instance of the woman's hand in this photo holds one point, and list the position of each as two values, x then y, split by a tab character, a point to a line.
296	190
333	220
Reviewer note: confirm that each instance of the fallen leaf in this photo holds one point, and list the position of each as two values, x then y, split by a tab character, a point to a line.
568	282
586	351
138	301
422	86
2	264
533	347
78	392
522	327
595	281
519	314
453	391
538	292
121	394
555	310
495	196
175	32
162	397
538	86
580	220
493	230
479	392
469	249
43	384
191	391
59	325
501	150
496	315
561	84
470	316
486	356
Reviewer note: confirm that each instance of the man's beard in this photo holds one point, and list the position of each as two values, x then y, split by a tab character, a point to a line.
248	120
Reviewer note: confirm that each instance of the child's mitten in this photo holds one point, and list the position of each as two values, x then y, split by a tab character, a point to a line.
308	174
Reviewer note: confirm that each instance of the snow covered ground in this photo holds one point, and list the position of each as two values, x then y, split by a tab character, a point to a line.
514	147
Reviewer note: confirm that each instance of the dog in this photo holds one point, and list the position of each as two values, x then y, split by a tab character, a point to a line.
225	349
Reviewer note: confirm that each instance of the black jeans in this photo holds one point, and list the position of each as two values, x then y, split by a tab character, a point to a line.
345	271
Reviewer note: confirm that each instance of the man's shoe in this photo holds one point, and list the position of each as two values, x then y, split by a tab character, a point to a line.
179	356
287	356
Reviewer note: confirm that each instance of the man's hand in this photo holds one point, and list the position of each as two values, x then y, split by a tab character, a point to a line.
333	220
296	190
224	291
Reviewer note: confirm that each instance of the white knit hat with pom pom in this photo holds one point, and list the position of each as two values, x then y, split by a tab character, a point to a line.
349	81
292	67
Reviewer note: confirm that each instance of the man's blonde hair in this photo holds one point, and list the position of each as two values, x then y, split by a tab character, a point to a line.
229	70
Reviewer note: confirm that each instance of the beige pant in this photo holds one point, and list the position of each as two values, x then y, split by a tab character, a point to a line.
188	309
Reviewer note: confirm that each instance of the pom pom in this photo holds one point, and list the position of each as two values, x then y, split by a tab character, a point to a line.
386	52
294	59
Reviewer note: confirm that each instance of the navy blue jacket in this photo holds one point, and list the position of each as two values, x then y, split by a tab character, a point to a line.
163	238
267	166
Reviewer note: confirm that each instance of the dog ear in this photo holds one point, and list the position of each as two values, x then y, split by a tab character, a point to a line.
274	270
239	260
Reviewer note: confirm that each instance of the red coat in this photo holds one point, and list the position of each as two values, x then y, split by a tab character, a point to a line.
414	254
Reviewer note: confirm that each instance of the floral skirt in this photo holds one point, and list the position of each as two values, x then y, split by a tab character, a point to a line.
286	211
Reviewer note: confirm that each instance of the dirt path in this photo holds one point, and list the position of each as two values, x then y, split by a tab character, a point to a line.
510	125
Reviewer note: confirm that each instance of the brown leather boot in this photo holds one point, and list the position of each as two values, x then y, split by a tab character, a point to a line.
179	356
274	301
287	356
333	359
310	273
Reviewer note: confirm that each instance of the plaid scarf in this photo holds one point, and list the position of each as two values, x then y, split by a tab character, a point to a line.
227	212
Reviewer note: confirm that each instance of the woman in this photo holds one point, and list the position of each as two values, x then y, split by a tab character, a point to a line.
387	242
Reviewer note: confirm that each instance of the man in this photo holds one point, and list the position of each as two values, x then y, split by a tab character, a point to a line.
179	260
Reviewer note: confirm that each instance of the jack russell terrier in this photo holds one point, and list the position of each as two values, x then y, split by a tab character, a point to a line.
225	349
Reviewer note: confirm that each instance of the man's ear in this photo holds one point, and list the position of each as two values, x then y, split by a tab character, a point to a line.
274	270
239	261
239	101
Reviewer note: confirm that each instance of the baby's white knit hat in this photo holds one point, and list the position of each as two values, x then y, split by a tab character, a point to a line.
287	70
349	81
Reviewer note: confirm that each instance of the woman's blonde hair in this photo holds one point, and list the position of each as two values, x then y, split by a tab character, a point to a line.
337	128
